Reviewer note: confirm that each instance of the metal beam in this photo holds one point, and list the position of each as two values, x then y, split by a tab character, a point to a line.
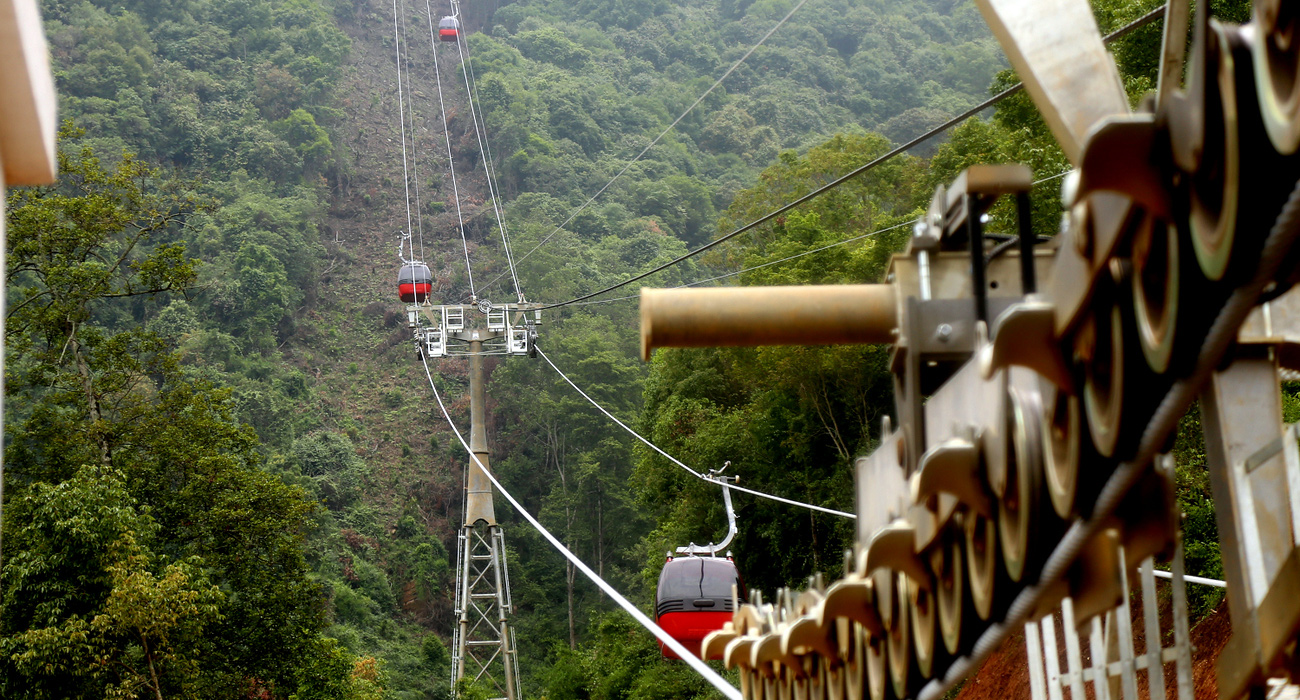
750	316
1057	51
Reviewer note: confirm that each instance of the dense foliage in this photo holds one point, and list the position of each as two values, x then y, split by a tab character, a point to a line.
147	548
571	92
223	476
170	524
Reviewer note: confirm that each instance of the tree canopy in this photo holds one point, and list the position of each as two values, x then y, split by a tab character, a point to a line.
225	477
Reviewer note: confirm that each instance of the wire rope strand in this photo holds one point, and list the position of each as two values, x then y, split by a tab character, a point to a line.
1141	21
728	690
462	48
415	153
797	255
490	163
451	164
897	150
401	110
696	283
678	462
663	133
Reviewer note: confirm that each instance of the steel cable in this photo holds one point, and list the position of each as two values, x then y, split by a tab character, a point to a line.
789	257
663	133
415	151
756	267
898	150
679	463
451	164
471	93
728	690
401	110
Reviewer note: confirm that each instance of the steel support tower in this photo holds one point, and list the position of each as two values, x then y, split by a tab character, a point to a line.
483	643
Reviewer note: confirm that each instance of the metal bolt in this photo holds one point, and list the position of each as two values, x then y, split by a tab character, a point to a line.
1078	223
1120	269
943	332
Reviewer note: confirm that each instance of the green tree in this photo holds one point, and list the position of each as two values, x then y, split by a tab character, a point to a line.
311	141
133	575
92	609
548	44
75	252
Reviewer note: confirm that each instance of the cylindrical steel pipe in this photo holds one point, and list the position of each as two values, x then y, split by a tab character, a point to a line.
478	488
751	316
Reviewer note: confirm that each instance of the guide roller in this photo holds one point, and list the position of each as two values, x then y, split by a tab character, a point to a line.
1035	388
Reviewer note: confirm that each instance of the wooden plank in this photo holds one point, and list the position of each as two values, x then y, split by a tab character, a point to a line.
1182	634
1050	656
1097	645
1124	635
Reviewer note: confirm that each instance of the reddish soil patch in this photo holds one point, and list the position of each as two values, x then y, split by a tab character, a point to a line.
1209	637
1005	675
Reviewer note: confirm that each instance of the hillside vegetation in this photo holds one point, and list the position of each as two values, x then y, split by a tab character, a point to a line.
224	476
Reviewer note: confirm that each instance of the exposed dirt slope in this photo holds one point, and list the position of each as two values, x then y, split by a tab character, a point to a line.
354	341
1005	676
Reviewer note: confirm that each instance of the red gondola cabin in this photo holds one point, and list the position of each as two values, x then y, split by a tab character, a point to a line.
414	283
448	29
694	599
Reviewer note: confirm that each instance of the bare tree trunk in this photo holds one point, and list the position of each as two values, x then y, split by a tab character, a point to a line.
569	571
600	531
556	454
157	687
92	401
827	417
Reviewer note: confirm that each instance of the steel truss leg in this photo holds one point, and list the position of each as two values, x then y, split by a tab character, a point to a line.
484	643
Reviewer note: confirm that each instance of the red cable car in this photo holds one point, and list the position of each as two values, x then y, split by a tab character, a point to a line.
448	29
414	283
694	598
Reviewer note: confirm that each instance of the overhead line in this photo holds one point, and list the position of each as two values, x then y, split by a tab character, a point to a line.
760	266
663	133
415	151
717	681
679	463
490	169
401	110
808	197
462	47
1145	19
789	257
451	164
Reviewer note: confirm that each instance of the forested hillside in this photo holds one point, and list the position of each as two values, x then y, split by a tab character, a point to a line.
224	476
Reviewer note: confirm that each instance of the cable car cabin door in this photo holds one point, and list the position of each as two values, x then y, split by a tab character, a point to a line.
694	599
